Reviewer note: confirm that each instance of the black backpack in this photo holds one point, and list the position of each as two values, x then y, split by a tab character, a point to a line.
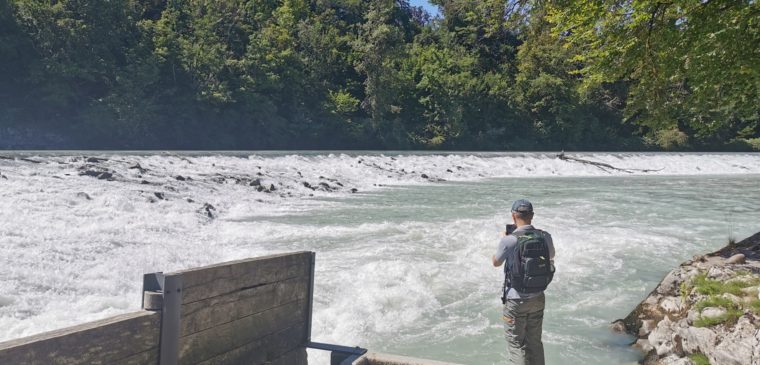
531	269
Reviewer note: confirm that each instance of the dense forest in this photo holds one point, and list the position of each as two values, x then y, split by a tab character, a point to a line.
380	74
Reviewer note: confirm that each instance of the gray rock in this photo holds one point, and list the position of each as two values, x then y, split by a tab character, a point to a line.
736	259
661	337
692	316
643	344
739	346
671	282
697	339
675	360
647	326
732	298
671	304
719	273
713	312
618	326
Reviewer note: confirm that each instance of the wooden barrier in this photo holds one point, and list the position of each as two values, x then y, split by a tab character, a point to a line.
130	338
254	311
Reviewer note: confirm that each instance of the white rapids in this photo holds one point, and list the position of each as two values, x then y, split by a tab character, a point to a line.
402	239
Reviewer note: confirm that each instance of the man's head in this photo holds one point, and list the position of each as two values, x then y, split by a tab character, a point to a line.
522	212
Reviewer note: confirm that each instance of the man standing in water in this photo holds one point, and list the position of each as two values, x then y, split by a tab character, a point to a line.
524	253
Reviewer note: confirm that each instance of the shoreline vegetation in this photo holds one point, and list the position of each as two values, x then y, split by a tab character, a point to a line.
706	311
489	75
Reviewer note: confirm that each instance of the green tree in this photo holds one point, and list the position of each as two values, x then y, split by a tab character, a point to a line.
692	66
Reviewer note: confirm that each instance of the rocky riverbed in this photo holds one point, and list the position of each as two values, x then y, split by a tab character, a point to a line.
707	311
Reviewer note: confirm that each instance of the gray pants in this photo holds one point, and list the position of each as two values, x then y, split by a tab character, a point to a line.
523	319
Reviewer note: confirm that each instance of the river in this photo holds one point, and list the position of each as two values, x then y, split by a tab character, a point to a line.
403	262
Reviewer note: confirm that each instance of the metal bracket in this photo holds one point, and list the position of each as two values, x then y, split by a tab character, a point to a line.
153	282
171	287
346	355
310	307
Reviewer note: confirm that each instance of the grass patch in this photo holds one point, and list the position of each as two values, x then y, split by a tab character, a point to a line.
733	312
755	306
730	317
699	359
684	290
715	287
714	301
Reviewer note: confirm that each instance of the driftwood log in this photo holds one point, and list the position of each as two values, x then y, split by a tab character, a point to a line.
601	165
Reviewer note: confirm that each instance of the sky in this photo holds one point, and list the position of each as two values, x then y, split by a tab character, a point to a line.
432	9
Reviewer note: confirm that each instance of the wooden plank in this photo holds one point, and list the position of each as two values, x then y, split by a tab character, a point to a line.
218	340
218	280
294	357
205	274
100	342
149	357
284	347
204	314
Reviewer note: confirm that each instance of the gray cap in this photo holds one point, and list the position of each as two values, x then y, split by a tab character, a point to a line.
522	206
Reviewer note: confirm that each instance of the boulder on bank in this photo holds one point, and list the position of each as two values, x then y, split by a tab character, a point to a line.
708	309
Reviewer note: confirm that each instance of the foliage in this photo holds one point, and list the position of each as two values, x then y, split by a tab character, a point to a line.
692	65
714	289
487	75
732	311
755	306
707	286
699	359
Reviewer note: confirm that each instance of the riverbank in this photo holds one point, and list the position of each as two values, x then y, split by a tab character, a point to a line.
707	311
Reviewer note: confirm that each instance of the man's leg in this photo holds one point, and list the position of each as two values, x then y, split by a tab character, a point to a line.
534	347
515	322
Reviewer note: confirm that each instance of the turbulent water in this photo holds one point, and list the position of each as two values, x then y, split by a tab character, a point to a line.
403	260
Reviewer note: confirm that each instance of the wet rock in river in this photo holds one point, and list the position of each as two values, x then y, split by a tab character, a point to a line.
208	210
100	175
325	186
137	167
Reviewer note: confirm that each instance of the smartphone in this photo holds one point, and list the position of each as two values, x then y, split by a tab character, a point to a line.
511	228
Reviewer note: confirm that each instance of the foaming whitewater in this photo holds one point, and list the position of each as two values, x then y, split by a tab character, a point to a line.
403	240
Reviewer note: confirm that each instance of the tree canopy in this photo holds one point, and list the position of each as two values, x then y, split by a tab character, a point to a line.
381	74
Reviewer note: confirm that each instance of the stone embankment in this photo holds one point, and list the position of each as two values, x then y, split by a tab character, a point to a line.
707	311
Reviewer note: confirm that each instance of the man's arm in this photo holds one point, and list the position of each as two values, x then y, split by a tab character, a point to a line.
550	243
501	251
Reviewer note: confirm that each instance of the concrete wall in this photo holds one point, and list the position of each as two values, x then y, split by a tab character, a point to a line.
254	311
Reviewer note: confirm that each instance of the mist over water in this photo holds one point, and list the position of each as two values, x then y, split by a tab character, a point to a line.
403	266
